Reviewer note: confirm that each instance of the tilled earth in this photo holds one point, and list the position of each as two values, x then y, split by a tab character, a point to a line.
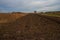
31	27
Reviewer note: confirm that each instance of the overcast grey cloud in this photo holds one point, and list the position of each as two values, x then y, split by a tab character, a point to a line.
29	5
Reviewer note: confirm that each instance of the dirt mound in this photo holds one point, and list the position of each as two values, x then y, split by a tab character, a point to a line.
7	17
31	27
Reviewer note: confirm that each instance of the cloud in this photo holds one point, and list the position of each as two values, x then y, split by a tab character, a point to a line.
3	10
50	8
29	5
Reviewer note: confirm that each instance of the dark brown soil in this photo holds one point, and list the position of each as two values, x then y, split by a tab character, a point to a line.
31	27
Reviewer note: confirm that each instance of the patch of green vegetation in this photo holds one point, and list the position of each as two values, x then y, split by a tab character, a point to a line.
56	15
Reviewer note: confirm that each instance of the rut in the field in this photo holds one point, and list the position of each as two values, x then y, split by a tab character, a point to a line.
34	27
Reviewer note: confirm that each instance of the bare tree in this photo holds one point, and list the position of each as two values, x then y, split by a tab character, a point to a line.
35	11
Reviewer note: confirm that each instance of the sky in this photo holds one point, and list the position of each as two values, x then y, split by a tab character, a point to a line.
29	5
